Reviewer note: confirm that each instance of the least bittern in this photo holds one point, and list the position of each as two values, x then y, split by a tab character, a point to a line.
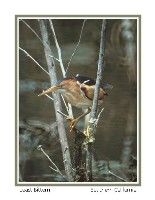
79	92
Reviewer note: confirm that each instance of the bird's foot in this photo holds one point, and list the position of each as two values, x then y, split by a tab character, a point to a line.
73	122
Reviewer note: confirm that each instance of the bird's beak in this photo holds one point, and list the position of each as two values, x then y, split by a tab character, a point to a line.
51	89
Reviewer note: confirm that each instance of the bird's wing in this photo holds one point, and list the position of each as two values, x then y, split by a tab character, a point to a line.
88	91
87	86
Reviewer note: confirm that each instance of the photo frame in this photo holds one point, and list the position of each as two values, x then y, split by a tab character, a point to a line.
116	156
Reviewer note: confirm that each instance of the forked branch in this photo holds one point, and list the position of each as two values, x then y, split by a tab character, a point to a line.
27	54
76	46
55	167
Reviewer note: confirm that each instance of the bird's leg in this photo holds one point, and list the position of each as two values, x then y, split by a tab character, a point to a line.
75	121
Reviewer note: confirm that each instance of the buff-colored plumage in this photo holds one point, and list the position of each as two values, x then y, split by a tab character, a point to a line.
79	92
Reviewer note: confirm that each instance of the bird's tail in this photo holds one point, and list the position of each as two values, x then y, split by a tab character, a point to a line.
51	89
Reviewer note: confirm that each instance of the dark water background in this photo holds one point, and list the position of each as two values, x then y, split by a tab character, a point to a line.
116	136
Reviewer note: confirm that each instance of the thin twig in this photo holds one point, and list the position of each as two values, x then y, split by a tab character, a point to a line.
76	46
65	104
49	97
60	61
70	110
55	168
122	179
98	117
55	58
58	48
32	30
99	73
62	113
33	59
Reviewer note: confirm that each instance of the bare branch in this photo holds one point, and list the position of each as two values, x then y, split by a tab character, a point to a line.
65	104
98	117
57	101
55	58
49	97
68	108
32	30
60	61
58	48
76	45
33	59
122	179
91	128
99	73
62	113
55	168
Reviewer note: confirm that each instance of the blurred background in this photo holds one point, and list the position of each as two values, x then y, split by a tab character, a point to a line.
116	136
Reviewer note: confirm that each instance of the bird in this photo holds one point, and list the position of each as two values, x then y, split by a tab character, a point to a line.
79	92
